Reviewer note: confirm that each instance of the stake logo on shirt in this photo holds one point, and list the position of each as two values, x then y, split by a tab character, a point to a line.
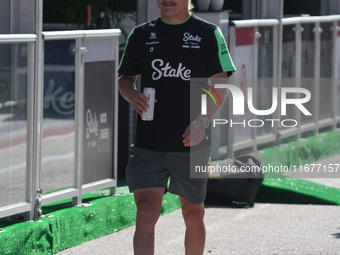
166	70
189	37
191	41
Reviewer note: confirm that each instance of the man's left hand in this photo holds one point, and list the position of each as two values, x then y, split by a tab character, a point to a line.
194	133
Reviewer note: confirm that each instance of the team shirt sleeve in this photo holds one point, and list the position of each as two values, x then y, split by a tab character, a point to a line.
129	63
220	59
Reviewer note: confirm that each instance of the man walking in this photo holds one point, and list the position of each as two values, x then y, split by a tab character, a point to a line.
167	52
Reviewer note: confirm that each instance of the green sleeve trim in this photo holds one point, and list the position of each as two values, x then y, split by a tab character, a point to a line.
223	53
126	44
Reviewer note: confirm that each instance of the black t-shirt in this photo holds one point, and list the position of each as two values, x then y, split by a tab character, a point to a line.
167	56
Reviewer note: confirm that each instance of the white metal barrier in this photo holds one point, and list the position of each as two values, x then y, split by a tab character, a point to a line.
310	60
58	164
76	115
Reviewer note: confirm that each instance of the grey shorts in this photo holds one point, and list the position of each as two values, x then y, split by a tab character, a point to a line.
151	169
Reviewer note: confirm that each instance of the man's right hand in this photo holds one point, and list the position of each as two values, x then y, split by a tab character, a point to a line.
139	102
128	90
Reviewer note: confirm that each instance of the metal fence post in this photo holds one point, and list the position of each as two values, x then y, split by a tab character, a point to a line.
30	129
279	36
79	118
317	39
230	129
38	109
298	61
335	77
257	36
115	119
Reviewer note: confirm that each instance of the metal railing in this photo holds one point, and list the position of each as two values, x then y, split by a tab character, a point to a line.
11	43
310	60
44	135
49	133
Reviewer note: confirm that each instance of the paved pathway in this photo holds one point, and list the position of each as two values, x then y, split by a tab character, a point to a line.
265	229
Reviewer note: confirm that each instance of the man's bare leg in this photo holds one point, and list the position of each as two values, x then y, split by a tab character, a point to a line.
149	204
193	215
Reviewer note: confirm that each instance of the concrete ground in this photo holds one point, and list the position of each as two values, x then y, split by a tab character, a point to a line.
263	229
